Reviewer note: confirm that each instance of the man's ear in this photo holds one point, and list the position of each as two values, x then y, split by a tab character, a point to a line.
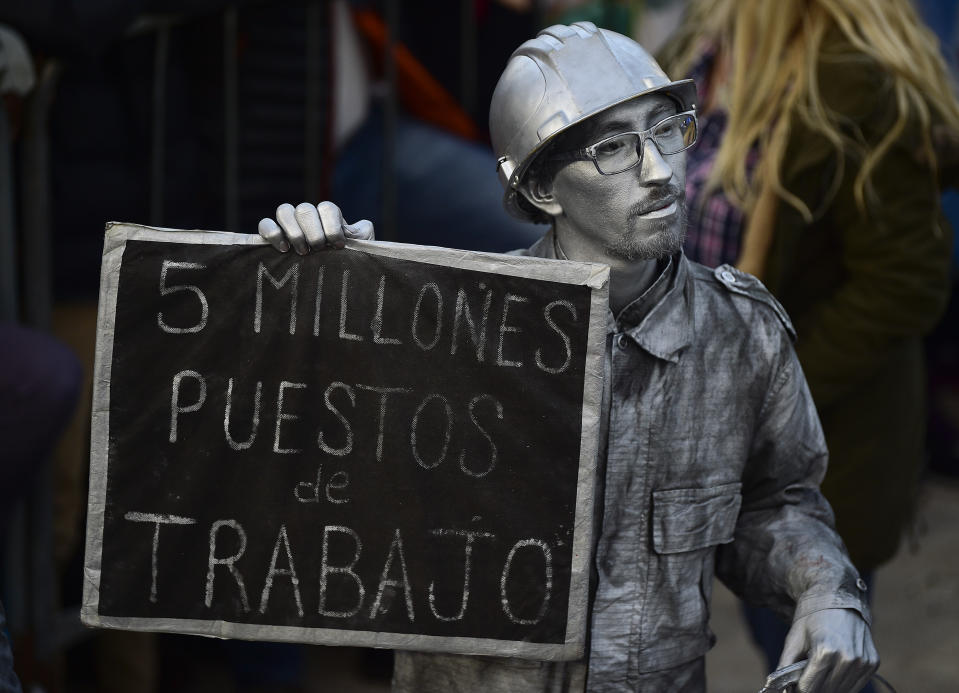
539	193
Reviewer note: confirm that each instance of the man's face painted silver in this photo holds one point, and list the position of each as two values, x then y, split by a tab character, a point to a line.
637	214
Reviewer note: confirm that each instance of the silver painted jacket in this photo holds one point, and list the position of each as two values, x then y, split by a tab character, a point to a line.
712	467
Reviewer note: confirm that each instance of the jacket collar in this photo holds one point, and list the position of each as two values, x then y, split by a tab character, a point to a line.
660	320
665	328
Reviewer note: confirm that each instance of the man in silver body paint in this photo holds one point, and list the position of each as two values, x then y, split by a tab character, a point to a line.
713	451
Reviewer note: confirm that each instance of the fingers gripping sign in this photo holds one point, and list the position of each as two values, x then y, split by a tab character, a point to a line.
306	216
307	227
272	233
333	224
838	643
286	216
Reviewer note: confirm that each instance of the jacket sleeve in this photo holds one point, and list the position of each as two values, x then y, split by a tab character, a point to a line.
894	259
786	552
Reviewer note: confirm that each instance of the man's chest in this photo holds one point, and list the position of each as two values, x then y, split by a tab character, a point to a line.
675	424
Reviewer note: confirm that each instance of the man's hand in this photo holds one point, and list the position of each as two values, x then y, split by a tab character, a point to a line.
838	644
307	227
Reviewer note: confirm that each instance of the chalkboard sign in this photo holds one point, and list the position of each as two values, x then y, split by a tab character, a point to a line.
387	445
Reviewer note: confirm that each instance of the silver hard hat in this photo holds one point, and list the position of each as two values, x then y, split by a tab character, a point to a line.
560	78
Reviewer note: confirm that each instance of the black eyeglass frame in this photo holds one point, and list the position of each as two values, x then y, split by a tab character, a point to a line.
590	151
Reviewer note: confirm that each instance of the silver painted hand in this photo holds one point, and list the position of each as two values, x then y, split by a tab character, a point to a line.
838	643
307	227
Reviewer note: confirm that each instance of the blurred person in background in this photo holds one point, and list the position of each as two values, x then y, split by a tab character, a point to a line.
817	171
437	89
39	387
942	346
39	376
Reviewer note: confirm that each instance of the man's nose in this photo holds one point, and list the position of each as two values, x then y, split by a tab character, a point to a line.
655	169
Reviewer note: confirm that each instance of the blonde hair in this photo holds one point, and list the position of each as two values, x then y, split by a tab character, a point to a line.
775	48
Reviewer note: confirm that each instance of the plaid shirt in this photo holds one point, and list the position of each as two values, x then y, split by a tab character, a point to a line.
715	225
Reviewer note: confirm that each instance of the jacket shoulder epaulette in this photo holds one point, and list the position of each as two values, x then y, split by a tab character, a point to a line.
739	282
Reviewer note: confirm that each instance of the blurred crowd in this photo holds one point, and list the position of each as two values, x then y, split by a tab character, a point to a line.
827	158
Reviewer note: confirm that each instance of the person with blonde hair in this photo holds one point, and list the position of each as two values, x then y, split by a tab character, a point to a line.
817	171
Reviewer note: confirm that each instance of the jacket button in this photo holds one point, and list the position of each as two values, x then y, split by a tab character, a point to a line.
728	276
622	341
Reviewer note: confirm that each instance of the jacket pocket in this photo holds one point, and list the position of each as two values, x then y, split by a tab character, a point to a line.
687	519
687	525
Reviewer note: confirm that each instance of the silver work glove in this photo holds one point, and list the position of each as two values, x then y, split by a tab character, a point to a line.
307	227
838	644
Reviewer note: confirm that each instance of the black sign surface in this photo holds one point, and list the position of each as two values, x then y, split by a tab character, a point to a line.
386	445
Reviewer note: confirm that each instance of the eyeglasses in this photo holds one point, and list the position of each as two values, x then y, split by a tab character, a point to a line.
624	150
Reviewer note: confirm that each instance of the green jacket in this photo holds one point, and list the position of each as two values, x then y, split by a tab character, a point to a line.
862	290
